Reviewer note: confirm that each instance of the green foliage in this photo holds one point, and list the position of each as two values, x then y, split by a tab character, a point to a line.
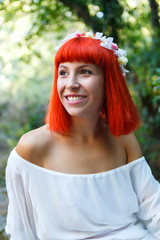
156	98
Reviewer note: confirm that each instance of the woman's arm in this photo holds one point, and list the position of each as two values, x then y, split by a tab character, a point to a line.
132	147
147	188
20	224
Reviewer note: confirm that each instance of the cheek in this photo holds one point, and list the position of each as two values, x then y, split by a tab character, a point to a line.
60	88
99	88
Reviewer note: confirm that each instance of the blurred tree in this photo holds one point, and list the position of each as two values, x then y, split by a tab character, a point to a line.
101	16
154	15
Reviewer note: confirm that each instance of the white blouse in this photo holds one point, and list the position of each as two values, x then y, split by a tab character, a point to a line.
123	203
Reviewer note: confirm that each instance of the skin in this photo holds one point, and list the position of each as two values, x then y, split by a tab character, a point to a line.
90	147
81	79
85	80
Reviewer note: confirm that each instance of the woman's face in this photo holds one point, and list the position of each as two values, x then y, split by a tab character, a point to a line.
81	88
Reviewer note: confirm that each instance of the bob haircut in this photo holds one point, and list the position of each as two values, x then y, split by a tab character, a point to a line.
118	110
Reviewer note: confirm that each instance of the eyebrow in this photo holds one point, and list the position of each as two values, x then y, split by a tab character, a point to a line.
81	66
62	66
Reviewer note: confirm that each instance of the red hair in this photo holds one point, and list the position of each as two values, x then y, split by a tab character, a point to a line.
119	110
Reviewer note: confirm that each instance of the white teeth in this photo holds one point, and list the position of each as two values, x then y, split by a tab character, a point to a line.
75	98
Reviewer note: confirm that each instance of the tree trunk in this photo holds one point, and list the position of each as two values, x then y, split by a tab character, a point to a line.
109	24
82	13
154	15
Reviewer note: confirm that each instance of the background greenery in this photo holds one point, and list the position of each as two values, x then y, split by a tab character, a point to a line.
29	34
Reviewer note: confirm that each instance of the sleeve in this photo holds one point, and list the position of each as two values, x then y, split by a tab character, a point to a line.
148	193
19	224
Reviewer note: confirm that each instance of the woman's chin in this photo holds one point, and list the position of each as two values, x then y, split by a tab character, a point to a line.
78	114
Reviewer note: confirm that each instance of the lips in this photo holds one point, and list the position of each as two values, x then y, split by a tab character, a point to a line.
75	97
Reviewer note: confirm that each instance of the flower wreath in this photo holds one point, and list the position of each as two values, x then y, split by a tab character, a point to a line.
106	43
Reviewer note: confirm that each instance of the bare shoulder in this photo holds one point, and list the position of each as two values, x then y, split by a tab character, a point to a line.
132	147
33	143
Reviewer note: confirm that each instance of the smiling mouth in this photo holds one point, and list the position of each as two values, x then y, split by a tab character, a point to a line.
77	98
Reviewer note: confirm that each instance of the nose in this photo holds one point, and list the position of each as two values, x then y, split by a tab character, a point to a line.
72	83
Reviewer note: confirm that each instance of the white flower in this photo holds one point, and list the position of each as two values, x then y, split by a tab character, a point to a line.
70	36
114	46
124	70
109	40
122	60
107	43
98	35
89	34
103	39
121	53
124	75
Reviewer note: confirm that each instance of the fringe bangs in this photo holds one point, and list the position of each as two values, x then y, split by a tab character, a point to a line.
81	50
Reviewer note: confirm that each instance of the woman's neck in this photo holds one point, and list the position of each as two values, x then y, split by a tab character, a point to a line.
85	130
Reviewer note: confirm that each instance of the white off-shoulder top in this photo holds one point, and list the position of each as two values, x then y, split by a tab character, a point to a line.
122	204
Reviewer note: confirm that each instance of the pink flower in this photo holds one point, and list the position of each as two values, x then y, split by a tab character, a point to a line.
77	34
114	46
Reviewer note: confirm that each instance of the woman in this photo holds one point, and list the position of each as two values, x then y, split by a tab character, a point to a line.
83	175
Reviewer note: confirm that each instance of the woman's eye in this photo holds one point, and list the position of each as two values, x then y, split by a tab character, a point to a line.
85	71
62	73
